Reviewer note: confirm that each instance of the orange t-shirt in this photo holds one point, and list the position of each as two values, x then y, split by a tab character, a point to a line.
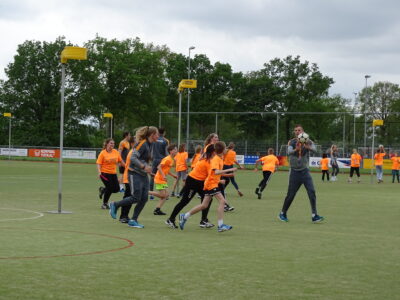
324	164
195	159
201	171
355	160
166	164
180	160
269	163
378	157
230	157
213	179
108	161
127	163
395	162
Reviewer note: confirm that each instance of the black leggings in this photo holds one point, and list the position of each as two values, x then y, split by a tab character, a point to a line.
230	179
263	183
111	184
335	170
327	174
352	169
191	187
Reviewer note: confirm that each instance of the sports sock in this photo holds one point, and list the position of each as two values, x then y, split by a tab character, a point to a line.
220	222
187	215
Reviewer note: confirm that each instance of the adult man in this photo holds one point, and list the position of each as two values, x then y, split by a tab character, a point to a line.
159	152
298	155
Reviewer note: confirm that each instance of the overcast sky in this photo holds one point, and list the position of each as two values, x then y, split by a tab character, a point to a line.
347	39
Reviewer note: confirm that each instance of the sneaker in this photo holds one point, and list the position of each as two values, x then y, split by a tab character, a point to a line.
240	194
257	191
228	208
113	210
122	190
151	198
206	224
135	224
317	219
124	220
172	194
105	206
171	224
182	221
101	192
224	227
259	195
159	212
283	217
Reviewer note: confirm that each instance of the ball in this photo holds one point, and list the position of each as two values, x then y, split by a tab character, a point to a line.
380	146
303	137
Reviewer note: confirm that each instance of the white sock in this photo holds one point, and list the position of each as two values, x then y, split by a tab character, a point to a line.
313	215
121	186
220	222
187	215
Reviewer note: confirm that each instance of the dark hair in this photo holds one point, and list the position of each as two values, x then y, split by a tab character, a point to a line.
105	143
125	134
209	152
231	145
198	149
132	140
298	125
171	147
161	130
181	148
324	155
270	150
219	147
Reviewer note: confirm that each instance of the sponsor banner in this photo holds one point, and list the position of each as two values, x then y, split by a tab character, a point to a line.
387	164
49	153
250	159
240	159
13	152
342	162
79	154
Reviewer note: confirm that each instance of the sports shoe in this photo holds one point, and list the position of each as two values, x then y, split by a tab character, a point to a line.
206	224
172	194
240	194
105	206
135	224
124	220
283	217
259	195
317	219
182	221
171	224
224	227
101	192
228	208
113	210
159	212
122	190
257	191
151	198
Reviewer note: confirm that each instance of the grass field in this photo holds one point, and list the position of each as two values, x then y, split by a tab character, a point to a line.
87	255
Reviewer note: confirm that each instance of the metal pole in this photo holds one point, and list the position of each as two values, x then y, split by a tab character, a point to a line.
354	119
9	139
188	105
216	123
159	119
365	121
344	133
277	133
111	122
179	118
372	154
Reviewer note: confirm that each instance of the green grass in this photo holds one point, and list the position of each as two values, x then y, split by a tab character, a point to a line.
353	255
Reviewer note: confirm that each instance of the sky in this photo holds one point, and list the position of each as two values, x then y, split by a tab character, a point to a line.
347	39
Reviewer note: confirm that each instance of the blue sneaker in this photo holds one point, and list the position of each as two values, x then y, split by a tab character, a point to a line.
283	217
113	210
135	224
151	197
224	227
182	221
317	219
122	190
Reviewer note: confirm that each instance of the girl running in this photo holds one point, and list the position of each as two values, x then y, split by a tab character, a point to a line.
107	170
270	164
211	188
324	163
229	161
395	167
139	169
196	156
181	169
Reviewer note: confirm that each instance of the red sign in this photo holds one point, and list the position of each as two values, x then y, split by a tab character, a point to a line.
49	153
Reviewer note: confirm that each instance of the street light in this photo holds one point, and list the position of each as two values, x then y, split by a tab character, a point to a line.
8	115
188	103
111	118
69	52
365	116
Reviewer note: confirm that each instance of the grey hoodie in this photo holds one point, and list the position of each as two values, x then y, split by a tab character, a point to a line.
299	161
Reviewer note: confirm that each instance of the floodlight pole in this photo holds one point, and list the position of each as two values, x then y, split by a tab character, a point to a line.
9	139
179	117
372	154
365	116
188	104
277	133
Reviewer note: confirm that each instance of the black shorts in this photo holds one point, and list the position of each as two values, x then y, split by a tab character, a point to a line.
212	192
121	170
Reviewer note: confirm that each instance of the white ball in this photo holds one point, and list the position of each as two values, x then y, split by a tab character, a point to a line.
380	146
303	137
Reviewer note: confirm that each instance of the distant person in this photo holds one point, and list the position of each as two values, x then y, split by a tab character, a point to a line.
334	153
229	162
378	161
395	166
159	151
355	162
107	163
123	149
324	163
196	156
298	155
269	165
181	169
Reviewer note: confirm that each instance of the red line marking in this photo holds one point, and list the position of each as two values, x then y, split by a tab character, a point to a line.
130	244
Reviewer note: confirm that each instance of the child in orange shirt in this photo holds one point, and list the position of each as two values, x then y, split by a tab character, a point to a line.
180	168
160	180
324	163
270	164
196	156
211	188
378	160
395	166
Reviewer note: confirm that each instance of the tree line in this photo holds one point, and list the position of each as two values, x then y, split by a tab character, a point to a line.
135	81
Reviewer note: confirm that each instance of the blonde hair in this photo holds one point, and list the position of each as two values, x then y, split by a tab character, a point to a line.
144	132
208	139
198	149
